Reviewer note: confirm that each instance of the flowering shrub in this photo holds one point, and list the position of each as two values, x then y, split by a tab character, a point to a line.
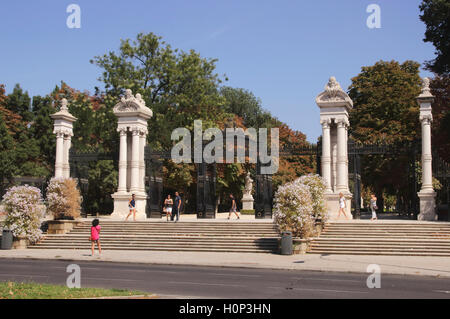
63	198
299	204
317	188
24	207
293	209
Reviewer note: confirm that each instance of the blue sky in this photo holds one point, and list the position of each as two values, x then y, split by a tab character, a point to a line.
283	51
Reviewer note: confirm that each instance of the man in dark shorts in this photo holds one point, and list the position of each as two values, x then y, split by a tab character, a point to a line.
176	207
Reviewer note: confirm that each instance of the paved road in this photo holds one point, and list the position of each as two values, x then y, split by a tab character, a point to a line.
216	282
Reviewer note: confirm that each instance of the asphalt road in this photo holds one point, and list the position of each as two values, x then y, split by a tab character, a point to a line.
215	282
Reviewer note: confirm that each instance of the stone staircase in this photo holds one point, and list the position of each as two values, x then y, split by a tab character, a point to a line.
251	237
405	238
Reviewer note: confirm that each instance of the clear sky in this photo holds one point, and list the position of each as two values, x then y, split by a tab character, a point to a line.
283	51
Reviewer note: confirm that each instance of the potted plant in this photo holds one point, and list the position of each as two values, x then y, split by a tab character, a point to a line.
64	204
23	205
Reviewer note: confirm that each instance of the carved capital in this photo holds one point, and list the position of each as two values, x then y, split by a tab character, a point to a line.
325	123
426	118
342	123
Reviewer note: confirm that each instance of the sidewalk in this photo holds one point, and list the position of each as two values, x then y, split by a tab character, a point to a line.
401	265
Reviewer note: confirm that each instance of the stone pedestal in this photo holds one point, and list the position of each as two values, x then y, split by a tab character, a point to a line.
427	206
247	202
332	205
121	209
58	227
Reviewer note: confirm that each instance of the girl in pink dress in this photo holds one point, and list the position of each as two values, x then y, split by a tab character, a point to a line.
95	236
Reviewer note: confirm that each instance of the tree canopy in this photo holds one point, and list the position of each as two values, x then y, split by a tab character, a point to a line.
436	16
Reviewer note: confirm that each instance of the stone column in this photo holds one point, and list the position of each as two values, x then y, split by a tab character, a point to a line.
135	161
342	172
123	161
427	194
59	162
142	142
66	166
326	155
427	172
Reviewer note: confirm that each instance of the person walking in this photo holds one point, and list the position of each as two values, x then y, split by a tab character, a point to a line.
342	205
373	206
168	203
95	236
132	207
176	208
233	208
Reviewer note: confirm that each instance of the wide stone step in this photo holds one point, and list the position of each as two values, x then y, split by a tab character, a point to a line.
380	241
378	253
160	240
384	246
155	244
159	248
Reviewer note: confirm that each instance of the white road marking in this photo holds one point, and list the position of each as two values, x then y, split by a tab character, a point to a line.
442	291
15	275
203	284
323	290
233	275
323	279
109	279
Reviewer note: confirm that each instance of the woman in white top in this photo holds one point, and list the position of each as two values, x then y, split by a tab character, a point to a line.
342	205
373	206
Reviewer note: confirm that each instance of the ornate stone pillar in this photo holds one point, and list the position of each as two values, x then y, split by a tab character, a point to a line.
63	128
132	117
123	161
326	154
334	106
427	195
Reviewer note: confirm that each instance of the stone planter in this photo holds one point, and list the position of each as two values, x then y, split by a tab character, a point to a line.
20	243
58	227
301	246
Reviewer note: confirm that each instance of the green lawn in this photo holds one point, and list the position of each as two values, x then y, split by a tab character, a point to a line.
12	290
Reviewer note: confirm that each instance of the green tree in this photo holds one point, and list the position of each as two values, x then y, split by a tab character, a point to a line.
179	87
42	130
7	155
385	107
19	102
245	104
436	16
102	183
440	88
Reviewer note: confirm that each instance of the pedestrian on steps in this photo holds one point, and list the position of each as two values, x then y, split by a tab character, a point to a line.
233	208
373	206
132	207
95	236
342	205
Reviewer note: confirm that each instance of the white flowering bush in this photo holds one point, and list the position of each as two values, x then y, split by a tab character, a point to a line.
293	209
63	198
317	187
24	207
